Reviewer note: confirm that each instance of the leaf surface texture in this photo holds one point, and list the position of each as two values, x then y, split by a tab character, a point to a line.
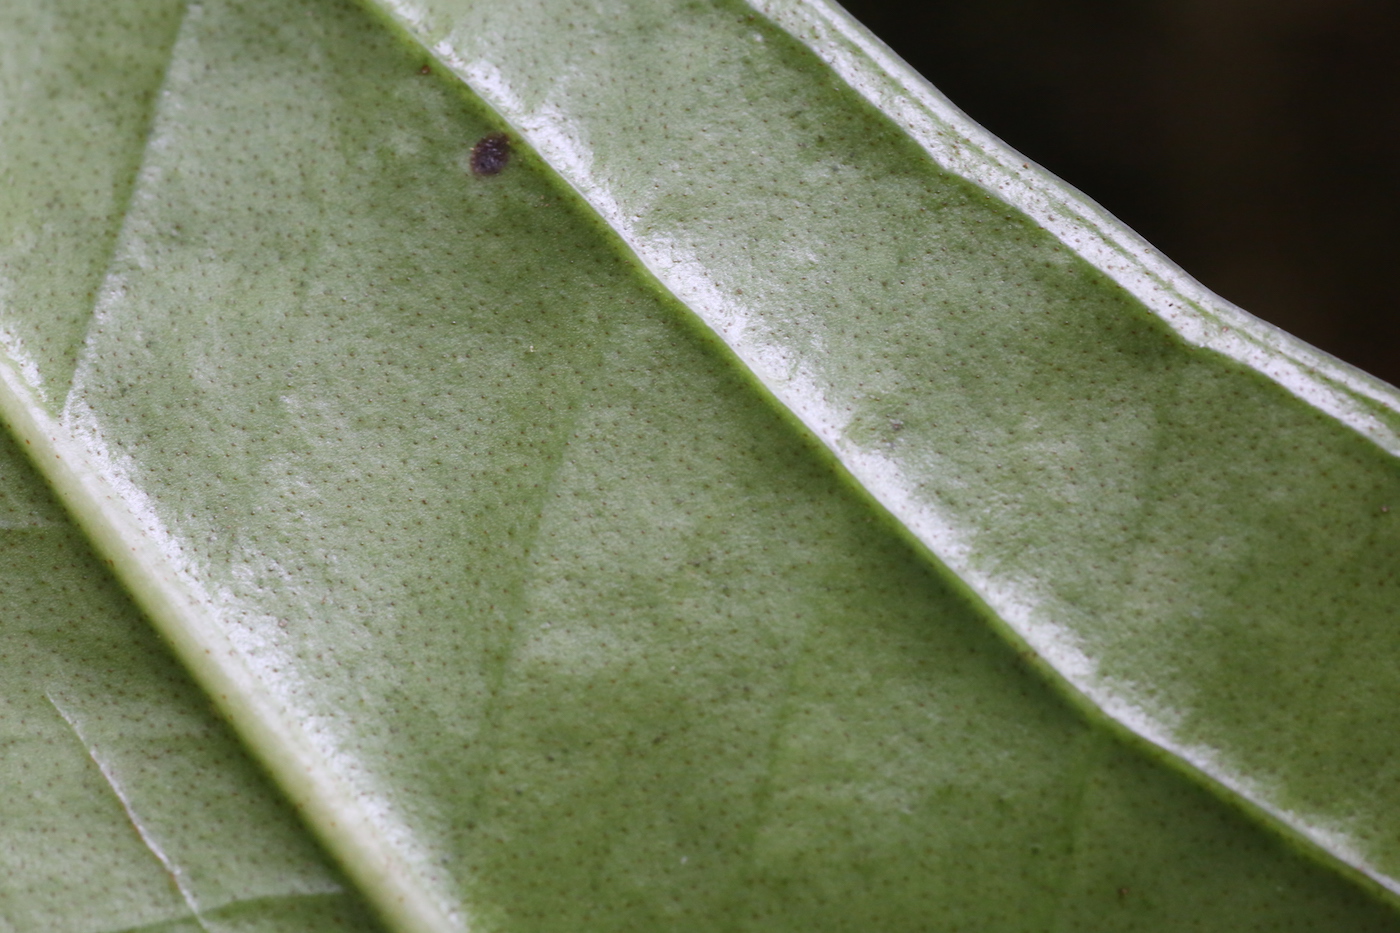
643	536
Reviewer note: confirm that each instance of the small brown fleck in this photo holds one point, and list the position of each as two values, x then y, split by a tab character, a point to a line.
490	154
426	70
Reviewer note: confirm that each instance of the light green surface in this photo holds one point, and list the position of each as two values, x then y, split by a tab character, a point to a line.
80	79
125	804
553	610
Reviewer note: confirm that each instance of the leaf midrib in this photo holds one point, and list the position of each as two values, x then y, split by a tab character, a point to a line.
1362	403
150	575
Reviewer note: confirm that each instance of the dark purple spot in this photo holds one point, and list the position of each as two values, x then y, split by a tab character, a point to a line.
490	154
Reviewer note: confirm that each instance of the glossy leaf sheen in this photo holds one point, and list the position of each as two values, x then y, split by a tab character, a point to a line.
621	540
127	805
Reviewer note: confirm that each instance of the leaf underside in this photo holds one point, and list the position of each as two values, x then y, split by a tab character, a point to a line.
674	529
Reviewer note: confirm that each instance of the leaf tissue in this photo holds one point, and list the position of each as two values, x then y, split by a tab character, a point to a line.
648	465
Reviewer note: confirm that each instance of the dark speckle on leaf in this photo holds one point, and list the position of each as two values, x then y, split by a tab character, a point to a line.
425	70
490	154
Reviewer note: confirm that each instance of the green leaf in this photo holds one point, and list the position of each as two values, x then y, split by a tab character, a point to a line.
766	503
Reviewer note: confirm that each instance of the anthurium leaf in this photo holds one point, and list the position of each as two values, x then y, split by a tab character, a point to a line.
617	469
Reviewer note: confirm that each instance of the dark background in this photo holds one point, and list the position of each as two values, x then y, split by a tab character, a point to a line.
1255	142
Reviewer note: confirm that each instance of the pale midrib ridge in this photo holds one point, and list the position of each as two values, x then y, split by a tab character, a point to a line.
1354	398
126	532
1362	403
113	512
134	546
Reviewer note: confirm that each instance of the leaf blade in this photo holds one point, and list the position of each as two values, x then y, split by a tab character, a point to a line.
863	372
522	357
